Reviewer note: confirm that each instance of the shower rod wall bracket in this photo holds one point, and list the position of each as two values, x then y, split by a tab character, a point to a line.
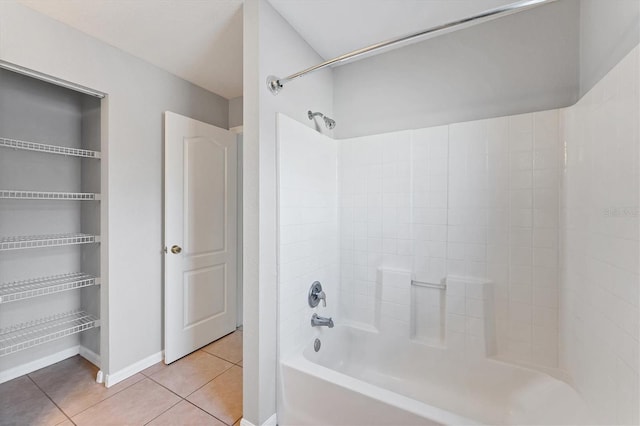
273	83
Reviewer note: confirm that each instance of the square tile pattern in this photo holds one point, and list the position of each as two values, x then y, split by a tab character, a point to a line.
203	388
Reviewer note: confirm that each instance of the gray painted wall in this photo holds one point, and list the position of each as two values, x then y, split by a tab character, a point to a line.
609	29
521	63
271	46
235	112
138	94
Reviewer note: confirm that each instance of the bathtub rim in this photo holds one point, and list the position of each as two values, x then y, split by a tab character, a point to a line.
300	362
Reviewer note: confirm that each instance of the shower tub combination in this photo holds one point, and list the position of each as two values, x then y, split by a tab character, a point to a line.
368	376
361	378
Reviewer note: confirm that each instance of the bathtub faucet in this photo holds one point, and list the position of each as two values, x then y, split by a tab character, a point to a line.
317	321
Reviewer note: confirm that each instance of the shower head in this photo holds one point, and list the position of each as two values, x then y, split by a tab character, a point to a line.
330	123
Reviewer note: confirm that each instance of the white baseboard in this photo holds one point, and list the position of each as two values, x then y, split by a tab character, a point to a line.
32	366
271	421
125	373
90	356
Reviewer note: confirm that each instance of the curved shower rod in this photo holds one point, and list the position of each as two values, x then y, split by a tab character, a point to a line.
276	84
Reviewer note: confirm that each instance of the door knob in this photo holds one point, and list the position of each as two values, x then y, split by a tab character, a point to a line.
176	249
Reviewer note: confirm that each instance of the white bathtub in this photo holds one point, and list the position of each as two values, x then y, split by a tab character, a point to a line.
360	378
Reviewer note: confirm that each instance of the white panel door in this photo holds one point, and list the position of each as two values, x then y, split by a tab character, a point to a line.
200	234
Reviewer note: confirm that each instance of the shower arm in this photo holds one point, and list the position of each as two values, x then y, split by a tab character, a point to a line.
276	84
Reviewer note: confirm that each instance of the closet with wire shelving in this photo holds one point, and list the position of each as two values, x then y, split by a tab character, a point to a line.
51	228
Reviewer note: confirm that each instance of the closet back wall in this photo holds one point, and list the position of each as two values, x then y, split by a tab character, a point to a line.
138	94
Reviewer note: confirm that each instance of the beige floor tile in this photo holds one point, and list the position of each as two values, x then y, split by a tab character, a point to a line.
240	363
154	368
22	403
222	397
186	414
66	423
238	422
191	372
229	347
136	405
71	384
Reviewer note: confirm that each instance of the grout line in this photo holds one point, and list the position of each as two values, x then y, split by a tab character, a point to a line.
218	375
111	396
170	390
144	377
50	399
208	413
186	400
197	389
181	399
219	357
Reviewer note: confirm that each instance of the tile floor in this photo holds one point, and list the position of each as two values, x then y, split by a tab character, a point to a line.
203	388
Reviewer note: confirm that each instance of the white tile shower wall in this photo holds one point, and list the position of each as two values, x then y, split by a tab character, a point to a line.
477	200
375	220
308	231
502	225
429	190
600	285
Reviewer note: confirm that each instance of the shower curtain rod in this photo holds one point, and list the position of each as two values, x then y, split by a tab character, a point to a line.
276	84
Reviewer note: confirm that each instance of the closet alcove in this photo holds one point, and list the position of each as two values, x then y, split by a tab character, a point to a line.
51	224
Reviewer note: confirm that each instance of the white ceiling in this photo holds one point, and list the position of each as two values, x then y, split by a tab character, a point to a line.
201	40
334	27
197	40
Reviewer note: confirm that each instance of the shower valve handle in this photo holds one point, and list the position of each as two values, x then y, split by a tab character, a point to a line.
322	297
316	294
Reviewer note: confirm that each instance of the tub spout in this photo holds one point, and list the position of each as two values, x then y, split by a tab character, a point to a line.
317	321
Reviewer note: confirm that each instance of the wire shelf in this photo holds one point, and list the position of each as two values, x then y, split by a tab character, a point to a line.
33	333
36	241
51	149
26	289
38	195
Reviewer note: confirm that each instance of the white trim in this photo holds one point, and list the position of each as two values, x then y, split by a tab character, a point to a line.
271	421
125	373
237	129
37	364
50	79
90	356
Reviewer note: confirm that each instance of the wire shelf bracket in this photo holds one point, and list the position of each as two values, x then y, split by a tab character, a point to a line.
50	149
26	335
38	195
35	287
37	241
